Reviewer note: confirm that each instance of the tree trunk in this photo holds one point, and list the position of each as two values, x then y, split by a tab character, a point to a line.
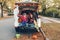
1	10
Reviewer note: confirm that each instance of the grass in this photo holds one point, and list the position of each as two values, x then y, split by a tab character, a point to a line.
52	30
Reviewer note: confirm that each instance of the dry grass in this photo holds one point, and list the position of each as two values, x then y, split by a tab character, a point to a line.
52	30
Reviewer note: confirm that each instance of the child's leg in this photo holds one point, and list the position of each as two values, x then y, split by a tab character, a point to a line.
23	23
17	30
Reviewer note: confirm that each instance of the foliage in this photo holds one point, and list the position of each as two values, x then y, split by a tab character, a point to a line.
52	12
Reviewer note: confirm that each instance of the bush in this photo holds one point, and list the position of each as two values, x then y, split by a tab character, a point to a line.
52	12
59	14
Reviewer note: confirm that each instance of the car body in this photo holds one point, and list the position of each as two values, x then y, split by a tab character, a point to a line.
27	7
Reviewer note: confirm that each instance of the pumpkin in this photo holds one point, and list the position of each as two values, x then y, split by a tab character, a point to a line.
19	20
34	37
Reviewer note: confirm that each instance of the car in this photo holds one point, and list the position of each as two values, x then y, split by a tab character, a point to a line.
27	16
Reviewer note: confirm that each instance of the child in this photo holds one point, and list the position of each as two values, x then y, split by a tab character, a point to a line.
24	19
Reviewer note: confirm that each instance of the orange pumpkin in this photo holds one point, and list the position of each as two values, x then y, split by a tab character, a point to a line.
34	37
19	20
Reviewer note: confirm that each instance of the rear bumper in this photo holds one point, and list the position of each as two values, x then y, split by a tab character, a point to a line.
25	30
